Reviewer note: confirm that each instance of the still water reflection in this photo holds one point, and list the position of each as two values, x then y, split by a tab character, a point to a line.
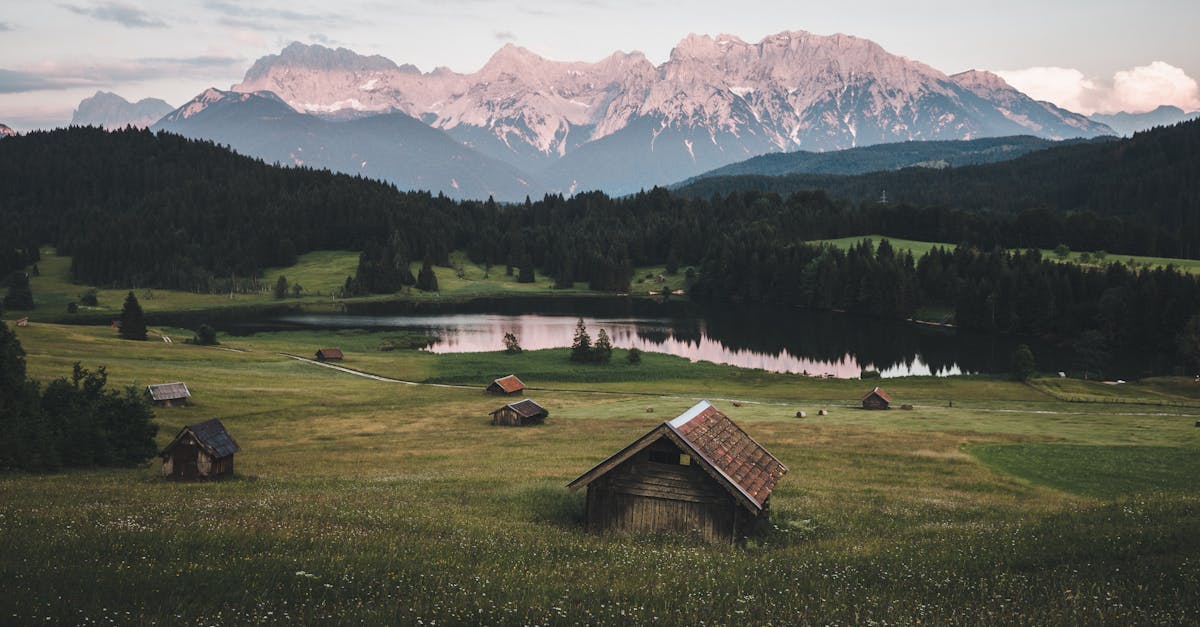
778	341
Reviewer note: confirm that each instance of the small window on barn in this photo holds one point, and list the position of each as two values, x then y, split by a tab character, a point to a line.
685	459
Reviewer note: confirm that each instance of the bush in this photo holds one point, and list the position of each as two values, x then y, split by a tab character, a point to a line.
634	357
205	336
1023	364
869	374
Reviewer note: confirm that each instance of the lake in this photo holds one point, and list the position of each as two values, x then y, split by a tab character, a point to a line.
817	343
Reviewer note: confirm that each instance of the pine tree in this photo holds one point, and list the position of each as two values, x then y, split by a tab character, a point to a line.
511	345
602	351
634	357
1023	364
426	279
581	348
133	321
281	288
20	295
526	273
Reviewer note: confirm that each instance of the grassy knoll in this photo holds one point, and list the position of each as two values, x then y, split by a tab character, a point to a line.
919	249
320	273
1103	472
362	501
1168	391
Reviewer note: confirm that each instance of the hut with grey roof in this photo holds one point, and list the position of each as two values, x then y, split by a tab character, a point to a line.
169	394
201	451
699	473
524	412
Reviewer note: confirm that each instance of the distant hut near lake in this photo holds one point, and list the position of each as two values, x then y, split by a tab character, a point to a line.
506	386
521	413
698	473
330	354
169	394
200	451
877	399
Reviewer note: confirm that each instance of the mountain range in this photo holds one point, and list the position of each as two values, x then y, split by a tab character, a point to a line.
1127	124
526	125
6	131
108	110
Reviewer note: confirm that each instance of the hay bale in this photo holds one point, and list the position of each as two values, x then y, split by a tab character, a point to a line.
649	410
737	404
822	413
801	414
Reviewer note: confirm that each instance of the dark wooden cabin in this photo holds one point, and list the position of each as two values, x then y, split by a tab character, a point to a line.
200	451
506	385
330	354
519	414
169	394
699	473
877	399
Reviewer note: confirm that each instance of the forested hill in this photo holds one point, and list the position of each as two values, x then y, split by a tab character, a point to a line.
1151	179
894	156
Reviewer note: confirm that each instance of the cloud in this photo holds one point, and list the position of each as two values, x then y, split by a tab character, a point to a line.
119	12
1135	90
323	40
504	35
5	26
242	15
54	76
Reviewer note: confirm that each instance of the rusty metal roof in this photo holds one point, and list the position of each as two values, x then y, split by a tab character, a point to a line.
169	391
880	393
509	384
727	452
211	436
526	408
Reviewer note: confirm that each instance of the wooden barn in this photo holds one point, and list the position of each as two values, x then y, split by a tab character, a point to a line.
169	394
200	451
519	414
330	354
876	399
506	385
699	473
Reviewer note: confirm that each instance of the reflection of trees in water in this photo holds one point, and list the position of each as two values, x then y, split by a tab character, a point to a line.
829	337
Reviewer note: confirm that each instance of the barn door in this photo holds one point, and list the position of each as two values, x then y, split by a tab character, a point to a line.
185	460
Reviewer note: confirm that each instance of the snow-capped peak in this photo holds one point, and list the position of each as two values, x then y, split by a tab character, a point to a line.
5	131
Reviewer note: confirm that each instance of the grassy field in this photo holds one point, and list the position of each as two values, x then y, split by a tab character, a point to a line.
919	249
320	273
363	501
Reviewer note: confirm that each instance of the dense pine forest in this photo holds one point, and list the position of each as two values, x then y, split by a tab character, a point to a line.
1139	196
136	209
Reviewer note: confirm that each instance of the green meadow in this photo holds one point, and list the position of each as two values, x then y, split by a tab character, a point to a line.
357	500
919	249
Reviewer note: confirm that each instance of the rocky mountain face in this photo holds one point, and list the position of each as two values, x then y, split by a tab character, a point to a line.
623	123
111	111
390	146
1127	124
6	131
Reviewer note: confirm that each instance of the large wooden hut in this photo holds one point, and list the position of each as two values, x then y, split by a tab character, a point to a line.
877	399
200	451
506	385
699	473
169	394
521	413
330	354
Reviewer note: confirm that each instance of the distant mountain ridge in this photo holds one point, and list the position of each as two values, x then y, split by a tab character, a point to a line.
108	110
6	131
622	123
1127	124
926	154
392	147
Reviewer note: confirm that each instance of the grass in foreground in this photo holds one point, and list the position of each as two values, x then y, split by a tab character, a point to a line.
361	501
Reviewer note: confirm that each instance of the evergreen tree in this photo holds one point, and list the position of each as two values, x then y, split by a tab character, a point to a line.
1023	364
581	347
511	345
602	351
281	288
205	336
20	294
634	357
526	273
133	321
426	279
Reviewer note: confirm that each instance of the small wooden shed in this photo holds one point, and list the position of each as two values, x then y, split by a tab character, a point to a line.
169	394
506	385
200	451
876	399
330	354
521	413
698	473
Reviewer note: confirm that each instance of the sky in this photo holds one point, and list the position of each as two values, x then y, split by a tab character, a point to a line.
1088	56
